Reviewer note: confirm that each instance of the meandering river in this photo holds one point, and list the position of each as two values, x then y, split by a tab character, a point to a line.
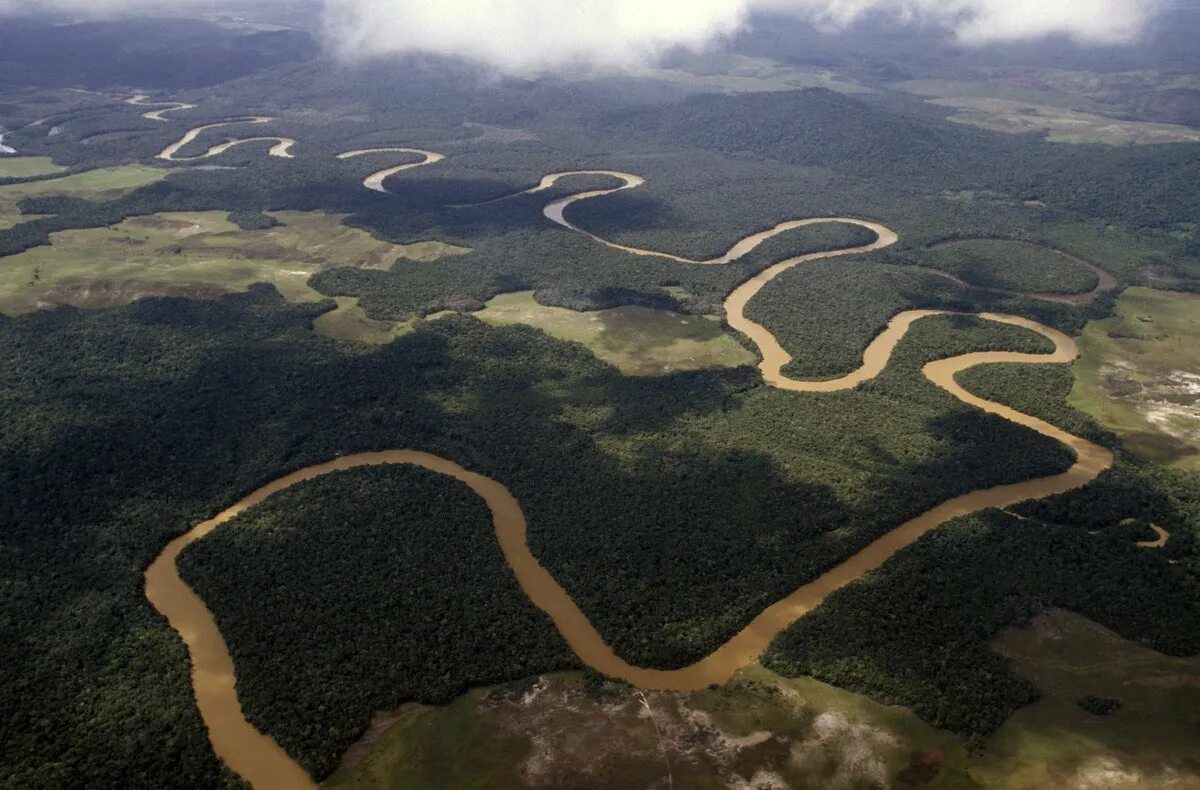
282	145
374	182
140	100
260	760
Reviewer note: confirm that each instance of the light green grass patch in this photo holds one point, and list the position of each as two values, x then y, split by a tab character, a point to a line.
1061	125
1139	375
27	166
349	323
192	254
637	340
104	184
763	730
1149	742
757	731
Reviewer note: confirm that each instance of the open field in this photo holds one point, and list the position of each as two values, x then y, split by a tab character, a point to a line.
348	322
27	166
103	184
569	731
1149	742
1139	375
762	730
1068	107
637	340
1061	125
195	254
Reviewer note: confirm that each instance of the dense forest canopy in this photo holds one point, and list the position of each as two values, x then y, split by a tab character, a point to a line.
672	508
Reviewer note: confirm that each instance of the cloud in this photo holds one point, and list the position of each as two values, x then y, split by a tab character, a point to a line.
541	35
531	36
985	21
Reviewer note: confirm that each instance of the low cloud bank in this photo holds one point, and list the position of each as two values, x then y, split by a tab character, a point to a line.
540	35
531	36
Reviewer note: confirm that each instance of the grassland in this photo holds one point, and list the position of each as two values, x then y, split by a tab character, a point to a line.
1139	375
569	731
637	340
193	254
27	166
348	322
764	730
1061	125
102	184
1065	112
1149	742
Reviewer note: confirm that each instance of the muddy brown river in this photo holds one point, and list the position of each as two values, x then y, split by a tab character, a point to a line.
282	145
140	100
258	759
374	182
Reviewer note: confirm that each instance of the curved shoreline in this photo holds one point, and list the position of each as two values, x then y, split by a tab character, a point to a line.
1162	537
374	182
259	759
1105	282
139	100
282	147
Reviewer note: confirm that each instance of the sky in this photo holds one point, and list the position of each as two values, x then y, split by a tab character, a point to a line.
537	36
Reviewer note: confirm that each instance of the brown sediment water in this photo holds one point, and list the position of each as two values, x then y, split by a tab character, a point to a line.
259	759
140	100
375	181
282	147
1158	542
1105	282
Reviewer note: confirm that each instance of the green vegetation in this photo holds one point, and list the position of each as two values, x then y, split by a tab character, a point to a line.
1013	266
1139	375
102	184
27	166
565	269
1040	390
638	340
825	312
672	507
1061	125
916	631
564	731
253	220
1149	741
744	492
950	593
348	322
734	73
825	129
1099	706
364	610
195	254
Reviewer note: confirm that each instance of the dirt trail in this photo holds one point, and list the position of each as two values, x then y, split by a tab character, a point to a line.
259	760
